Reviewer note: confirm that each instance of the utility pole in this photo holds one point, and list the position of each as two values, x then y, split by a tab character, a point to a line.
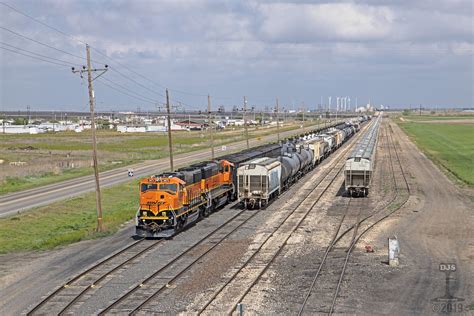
170	140
245	122
303	118
89	71
94	142
211	137
278	119
29	114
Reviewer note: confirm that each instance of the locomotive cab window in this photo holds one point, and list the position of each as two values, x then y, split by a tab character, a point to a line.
172	187
148	186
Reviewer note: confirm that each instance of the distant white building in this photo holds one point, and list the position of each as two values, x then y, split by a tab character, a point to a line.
147	128
235	122
20	129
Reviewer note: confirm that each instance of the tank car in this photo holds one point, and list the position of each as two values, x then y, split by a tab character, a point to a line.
306	157
291	166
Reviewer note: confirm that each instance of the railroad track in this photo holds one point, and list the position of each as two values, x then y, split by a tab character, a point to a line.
141	295
262	258
64	298
338	258
60	301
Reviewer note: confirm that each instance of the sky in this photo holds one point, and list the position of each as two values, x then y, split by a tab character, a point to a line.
401	54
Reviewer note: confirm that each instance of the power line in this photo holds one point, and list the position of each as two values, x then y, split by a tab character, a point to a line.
40	22
95	49
34	57
41	43
122	92
130	91
104	55
34	53
146	78
136	82
68	64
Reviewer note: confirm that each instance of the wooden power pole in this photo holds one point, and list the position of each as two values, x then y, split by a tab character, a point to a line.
168	118
278	119
89	71
245	123
209	118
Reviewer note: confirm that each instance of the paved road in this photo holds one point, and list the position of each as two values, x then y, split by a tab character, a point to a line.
21	201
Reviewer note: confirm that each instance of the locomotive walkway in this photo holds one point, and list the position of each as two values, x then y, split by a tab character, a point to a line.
21	201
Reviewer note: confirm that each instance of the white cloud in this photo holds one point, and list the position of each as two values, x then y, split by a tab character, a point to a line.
334	22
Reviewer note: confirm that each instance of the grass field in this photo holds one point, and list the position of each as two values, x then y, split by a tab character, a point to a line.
448	145
54	157
68	221
438	118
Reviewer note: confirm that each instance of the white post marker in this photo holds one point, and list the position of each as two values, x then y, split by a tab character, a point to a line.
240	309
393	251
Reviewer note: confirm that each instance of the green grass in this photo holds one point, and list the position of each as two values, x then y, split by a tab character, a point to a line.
448	145
13	184
438	116
68	221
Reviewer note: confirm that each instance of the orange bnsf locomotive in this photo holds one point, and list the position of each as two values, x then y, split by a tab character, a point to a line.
170	201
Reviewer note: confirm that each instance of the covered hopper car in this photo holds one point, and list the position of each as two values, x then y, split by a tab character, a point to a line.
258	181
360	163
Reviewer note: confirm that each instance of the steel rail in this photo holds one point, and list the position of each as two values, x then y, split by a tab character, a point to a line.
152	276
180	273
80	275
333	242
333	167
98	280
405	200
